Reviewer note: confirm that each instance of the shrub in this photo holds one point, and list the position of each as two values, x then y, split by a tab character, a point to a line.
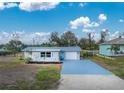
84	54
27	60
22	60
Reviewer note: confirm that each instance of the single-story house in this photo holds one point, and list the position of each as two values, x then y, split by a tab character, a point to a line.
52	54
104	48
4	52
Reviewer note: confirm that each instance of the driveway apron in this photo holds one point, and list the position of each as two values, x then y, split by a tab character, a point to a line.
87	75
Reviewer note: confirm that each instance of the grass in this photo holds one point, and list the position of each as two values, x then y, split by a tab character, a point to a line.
45	78
116	66
14	63
22	60
19	85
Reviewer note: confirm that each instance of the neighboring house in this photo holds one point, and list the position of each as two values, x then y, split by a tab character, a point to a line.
4	52
104	48
52	54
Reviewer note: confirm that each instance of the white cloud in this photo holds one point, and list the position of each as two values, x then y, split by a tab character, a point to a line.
27	38
83	21
2	6
82	4
11	5
106	31
35	37
79	22
86	23
7	5
28	6
121	20
97	37
102	17
92	24
88	30
114	35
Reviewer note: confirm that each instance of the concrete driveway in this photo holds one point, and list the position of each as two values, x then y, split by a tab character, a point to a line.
87	75
83	67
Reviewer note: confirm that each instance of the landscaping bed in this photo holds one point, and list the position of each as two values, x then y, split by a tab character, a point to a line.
116	66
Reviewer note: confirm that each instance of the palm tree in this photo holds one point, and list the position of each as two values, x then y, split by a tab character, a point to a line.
114	48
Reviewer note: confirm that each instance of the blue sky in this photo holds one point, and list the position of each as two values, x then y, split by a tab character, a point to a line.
46	18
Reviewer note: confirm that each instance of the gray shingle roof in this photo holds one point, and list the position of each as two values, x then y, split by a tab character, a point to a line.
115	41
52	49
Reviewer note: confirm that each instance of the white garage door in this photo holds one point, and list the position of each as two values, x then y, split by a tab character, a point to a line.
71	55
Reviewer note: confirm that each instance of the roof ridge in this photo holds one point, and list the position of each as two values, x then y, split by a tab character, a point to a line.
115	41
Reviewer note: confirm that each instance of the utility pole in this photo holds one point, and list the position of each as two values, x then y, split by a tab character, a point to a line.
33	40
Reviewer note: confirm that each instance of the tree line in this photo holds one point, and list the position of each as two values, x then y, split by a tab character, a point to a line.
66	39
70	39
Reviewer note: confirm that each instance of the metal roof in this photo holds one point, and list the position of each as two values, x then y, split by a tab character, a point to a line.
52	49
115	41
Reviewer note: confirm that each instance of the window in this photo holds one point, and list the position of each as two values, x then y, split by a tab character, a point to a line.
45	54
42	54
48	54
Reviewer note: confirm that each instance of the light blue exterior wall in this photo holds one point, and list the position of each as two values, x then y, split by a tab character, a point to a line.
103	50
122	48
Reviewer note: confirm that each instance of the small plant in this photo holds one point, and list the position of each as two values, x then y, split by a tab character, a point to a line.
22	60
84	54
27	60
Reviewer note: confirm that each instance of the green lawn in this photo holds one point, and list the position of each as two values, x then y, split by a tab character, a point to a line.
116	66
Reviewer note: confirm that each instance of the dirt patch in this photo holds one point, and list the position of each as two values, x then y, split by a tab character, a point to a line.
6	59
19	72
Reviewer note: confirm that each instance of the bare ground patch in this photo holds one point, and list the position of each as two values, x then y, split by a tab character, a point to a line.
11	73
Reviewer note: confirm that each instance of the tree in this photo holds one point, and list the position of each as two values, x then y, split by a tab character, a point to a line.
90	38
1	46
54	39
83	43
14	46
66	39
69	39
114	48
104	33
